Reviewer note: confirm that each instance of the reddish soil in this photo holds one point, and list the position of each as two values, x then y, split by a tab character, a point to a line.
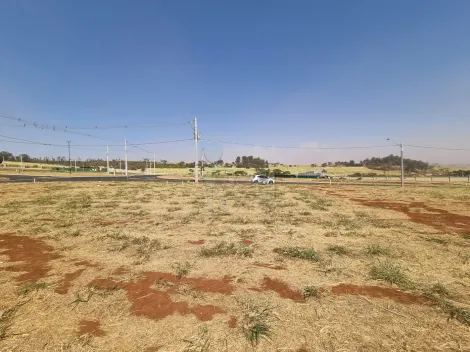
247	241
33	255
438	218
157	303
205	313
121	271
232	323
281	288
269	266
86	263
64	284
379	292
197	242
92	327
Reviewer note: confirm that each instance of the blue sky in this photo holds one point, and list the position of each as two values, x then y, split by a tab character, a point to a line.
298	73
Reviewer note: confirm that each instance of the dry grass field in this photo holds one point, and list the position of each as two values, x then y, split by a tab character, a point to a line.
233	267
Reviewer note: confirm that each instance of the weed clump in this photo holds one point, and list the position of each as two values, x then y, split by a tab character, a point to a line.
339	250
182	269
225	249
391	273
310	291
32	286
298	253
376	249
256	321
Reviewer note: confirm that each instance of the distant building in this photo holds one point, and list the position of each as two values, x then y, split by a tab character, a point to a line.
314	173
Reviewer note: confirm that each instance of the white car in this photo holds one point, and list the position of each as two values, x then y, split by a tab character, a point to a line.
262	179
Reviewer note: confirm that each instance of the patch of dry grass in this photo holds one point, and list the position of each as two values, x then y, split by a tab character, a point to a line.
305	240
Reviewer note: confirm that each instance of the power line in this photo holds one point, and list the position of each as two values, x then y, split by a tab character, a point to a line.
294	147
95	127
55	128
436	148
127	126
33	142
136	145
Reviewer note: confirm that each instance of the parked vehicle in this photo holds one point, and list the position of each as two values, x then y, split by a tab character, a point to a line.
262	179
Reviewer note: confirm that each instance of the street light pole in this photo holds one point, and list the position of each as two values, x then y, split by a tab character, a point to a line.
70	162
401	161
402	167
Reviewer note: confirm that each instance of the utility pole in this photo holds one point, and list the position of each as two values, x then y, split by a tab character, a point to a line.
70	162
154	165
120	167
75	165
107	159
401	161
196	137
21	156
402	167
125	150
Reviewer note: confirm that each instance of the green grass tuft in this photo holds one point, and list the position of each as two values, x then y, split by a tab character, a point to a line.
32	286
390	273
339	250
182	269
444	242
440	290
376	249
256	322
299	253
223	249
310	291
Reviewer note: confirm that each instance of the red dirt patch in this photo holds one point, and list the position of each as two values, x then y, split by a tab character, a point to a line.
205	313
247	241
438	218
64	284
92	327
379	292
121	271
269	266
33	254
281	288
157	303
232	323
197	242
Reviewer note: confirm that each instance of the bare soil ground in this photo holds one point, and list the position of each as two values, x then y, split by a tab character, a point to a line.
233	267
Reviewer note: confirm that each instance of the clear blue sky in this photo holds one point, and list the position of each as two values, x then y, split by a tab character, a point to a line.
298	73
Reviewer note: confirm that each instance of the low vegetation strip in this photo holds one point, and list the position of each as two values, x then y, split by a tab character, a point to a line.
298	253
